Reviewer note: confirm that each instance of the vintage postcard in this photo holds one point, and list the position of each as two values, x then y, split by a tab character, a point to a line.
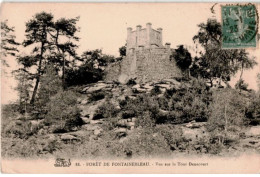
130	88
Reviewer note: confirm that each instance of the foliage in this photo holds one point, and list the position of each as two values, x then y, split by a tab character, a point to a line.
84	74
106	110
155	90
145	143
42	35
215	62
31	148
63	114
50	85
142	106
24	87
90	70
253	110
95	96
241	85
187	103
173	135
131	81
20	129
122	51
182	57
8	43
227	114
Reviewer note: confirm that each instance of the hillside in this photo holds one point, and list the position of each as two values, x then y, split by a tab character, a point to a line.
132	120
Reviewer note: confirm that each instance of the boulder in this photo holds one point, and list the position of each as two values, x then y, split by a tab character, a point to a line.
68	137
166	86
90	110
97	132
172	81
91	127
122	123
85	120
121	132
130	124
148	87
84	101
96	122
195	124
123	79
96	87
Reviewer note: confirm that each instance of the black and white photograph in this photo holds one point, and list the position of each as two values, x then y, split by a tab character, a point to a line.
130	87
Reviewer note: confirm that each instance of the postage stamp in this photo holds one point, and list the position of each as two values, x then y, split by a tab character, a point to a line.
239	26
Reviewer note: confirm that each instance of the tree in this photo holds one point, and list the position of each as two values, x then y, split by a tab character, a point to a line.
241	85
65	31
215	62
51	42
49	86
37	34
226	115
182	57
122	51
8	43
90	70
24	86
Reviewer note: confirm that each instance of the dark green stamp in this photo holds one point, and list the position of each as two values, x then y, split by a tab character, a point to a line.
239	26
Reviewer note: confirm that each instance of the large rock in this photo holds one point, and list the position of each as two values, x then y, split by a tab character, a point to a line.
90	127
90	110
84	101
97	132
122	123
138	89
97	87
148	87
196	124
96	121
68	137
166	86
172	81
85	120
253	131
121	132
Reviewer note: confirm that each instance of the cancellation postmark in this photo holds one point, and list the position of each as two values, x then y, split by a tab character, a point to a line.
239	26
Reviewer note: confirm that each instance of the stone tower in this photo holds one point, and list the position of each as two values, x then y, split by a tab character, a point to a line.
146	58
143	38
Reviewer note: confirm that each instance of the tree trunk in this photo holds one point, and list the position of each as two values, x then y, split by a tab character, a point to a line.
37	77
63	71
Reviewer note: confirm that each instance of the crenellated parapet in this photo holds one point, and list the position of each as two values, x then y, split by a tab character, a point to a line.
143	38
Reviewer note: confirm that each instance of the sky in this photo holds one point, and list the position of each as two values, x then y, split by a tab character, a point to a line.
104	26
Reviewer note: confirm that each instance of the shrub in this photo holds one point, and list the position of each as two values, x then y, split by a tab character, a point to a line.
145	142
106	110
241	85
95	96
20	129
84	74
226	117
9	112
131	82
187	103
141	107
63	114
173	135
155	91
253	109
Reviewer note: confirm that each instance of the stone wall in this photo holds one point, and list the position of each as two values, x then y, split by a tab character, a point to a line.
155	37
146	65
143	37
